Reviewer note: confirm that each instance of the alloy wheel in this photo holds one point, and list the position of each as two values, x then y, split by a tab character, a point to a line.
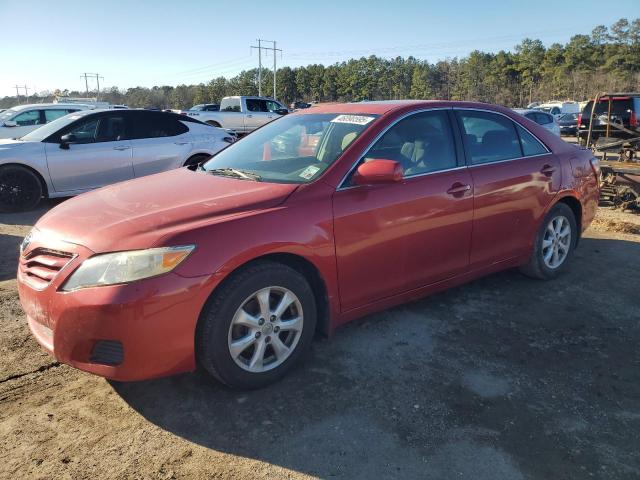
556	242
265	329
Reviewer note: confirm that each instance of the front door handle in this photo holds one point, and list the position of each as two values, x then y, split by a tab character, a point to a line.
249	116
181	143
122	147
548	170
458	189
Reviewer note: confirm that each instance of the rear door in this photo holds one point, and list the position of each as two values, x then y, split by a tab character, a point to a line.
160	141
233	114
100	156
515	177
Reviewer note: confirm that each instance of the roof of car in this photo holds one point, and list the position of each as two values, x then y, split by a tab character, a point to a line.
385	106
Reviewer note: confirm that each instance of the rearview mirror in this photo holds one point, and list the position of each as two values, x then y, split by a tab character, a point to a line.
378	171
66	140
9	123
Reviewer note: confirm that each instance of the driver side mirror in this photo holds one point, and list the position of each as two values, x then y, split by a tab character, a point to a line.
378	171
67	140
281	111
9	123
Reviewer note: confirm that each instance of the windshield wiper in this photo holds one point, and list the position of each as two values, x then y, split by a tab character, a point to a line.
234	172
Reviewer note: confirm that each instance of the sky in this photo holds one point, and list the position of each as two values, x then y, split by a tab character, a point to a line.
50	44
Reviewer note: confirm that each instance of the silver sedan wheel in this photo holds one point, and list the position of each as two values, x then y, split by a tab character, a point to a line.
556	242
265	330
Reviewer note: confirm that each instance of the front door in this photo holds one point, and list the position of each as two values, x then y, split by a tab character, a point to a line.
100	155
397	237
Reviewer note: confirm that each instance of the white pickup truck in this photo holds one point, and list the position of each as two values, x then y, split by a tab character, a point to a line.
242	114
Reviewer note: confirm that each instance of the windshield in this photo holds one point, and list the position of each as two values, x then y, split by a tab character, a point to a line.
292	149
197	108
39	134
7	114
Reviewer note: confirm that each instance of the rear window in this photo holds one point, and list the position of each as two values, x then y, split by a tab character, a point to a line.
618	106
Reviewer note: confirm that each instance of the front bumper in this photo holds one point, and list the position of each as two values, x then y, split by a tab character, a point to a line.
154	321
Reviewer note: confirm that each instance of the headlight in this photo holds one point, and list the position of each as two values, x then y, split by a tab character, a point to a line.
124	267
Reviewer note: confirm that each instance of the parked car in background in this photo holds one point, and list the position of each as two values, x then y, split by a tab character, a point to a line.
299	105
625	112
559	108
547	120
18	121
568	124
242	114
237	264
90	149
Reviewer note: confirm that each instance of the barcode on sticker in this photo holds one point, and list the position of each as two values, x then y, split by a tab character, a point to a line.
355	119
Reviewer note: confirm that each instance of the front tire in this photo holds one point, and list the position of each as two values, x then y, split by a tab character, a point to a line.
20	189
256	327
554	244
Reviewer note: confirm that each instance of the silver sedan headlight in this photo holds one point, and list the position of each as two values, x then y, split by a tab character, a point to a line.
125	267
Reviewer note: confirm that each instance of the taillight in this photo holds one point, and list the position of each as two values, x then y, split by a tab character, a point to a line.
579	120
633	121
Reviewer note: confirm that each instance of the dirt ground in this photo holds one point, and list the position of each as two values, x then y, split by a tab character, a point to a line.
504	378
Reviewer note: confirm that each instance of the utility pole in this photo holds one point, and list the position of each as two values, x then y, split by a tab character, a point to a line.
26	93
17	93
259	48
86	82
273	50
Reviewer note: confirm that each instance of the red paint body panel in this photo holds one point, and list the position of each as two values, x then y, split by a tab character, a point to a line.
374	246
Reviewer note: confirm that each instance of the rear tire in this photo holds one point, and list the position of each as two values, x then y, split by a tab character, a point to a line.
243	339
20	189
554	244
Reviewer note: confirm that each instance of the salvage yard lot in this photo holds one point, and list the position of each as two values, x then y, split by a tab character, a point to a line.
504	378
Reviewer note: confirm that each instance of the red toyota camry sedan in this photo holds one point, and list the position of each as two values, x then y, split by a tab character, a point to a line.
320	217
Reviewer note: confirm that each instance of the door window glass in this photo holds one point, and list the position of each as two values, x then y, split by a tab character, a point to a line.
85	132
272	106
489	137
253	105
543	118
25	119
421	143
530	145
50	115
156	125
110	129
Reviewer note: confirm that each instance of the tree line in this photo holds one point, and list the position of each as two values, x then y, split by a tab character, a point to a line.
606	60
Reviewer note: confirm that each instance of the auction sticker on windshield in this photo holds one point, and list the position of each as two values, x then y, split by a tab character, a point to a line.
309	172
355	119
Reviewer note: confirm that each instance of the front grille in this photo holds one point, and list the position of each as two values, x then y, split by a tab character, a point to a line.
40	266
107	352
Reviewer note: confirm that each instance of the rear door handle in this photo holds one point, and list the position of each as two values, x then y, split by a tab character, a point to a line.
181	143
548	170
122	147
458	189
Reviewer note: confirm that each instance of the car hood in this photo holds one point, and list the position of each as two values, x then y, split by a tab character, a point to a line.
139	213
11	147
